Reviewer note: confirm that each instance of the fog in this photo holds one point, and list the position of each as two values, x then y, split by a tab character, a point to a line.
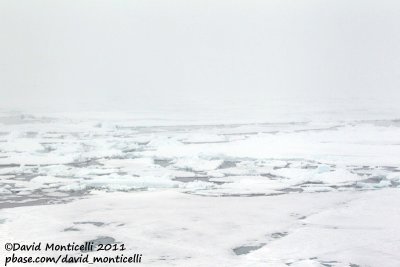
69	54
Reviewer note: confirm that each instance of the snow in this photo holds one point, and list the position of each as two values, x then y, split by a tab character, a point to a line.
278	193
310	229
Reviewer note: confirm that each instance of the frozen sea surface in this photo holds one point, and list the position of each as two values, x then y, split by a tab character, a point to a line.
281	193
53	159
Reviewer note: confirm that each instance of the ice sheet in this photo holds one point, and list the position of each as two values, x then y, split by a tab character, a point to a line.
175	229
294	193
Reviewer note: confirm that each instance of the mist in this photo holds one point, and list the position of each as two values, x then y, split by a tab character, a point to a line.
151	53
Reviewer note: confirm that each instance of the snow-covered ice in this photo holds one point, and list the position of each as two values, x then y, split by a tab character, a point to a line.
294	193
172	228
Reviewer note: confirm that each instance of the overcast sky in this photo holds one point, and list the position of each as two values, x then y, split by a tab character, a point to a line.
151	52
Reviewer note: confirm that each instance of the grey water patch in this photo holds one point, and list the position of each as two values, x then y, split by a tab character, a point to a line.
282	167
272	176
278	235
384	123
98	224
48	149
130	150
38	198
390	168
329	263
363	168
143	143
374	179
21	203
190	179
394	183
165	258
354	265
163	162
71	229
309	166
332	128
86	163
374	182
228	164
325	263
298	216
292	190
308	183
242	250
11	165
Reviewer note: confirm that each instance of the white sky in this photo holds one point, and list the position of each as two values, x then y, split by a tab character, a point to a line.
68	53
